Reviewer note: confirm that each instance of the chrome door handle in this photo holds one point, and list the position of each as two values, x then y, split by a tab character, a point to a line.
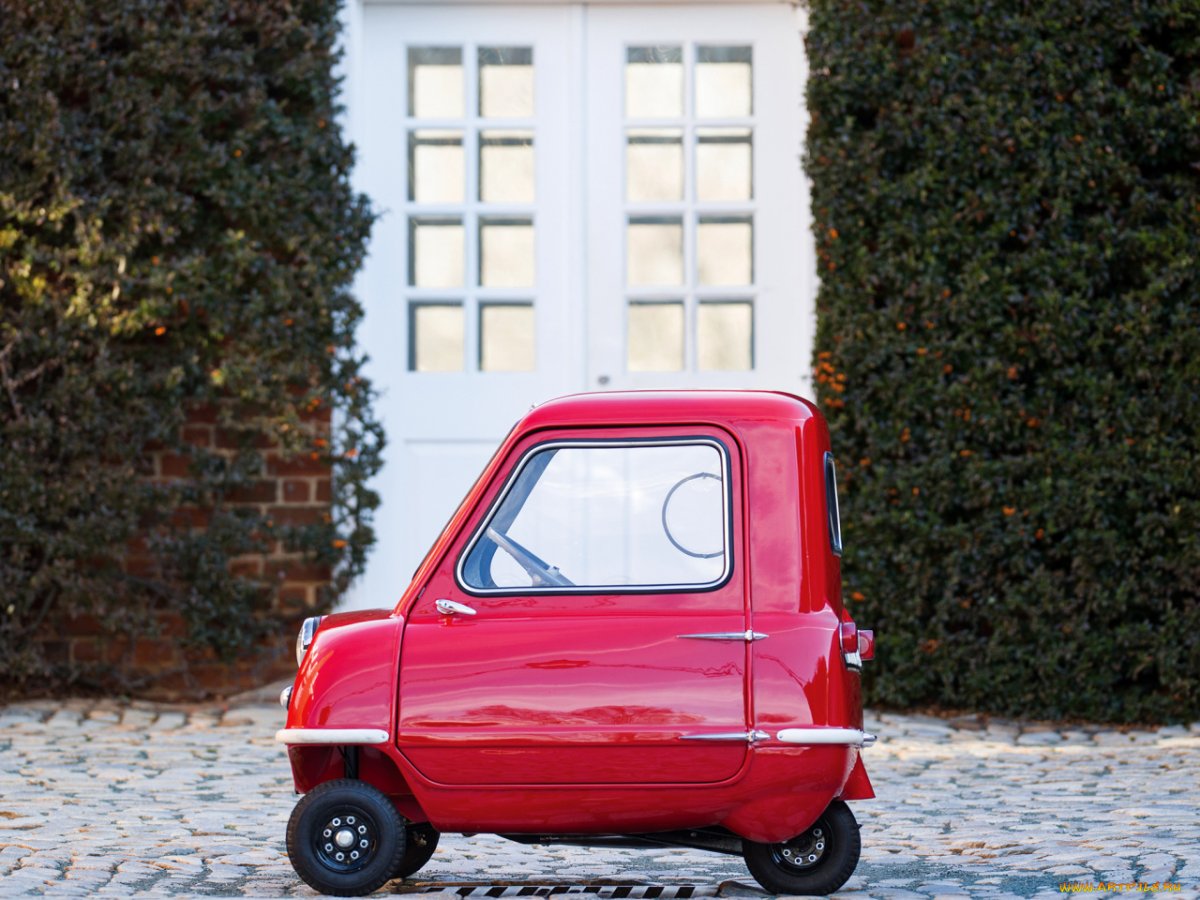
450	607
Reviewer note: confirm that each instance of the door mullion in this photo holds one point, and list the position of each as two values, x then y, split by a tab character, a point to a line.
690	262
471	139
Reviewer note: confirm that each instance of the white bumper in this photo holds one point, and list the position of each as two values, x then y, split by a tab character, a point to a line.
331	736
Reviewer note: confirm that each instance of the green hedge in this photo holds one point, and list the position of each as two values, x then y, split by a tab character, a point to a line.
177	232
1007	208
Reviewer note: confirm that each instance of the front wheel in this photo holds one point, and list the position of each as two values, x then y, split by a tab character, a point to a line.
818	861
345	838
420	842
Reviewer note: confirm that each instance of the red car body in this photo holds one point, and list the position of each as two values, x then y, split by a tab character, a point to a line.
604	711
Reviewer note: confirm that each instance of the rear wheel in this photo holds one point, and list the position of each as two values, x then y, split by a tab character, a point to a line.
420	842
345	838
817	861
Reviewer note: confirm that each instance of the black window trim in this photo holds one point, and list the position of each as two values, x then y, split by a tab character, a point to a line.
834	514
605	590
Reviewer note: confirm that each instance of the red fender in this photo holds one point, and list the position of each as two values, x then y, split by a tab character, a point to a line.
858	785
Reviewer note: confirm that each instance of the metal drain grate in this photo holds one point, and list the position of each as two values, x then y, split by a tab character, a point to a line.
605	891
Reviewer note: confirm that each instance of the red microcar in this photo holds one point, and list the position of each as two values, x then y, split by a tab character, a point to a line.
631	632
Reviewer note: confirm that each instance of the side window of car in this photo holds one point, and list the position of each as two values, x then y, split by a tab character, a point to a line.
831	504
576	516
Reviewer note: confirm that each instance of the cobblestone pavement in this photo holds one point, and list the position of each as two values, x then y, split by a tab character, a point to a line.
97	797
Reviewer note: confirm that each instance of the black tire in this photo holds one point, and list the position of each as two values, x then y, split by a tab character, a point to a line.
818	861
419	844
353	820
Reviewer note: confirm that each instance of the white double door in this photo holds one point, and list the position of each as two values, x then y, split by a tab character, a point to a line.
571	198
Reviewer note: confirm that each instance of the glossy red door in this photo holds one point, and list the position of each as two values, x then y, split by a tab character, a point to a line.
589	687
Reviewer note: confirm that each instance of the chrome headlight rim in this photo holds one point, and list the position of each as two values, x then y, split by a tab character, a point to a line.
304	639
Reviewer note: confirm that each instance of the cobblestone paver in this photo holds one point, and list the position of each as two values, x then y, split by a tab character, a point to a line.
97	797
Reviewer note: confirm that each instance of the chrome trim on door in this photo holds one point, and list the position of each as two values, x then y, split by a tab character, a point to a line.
747	636
450	607
748	736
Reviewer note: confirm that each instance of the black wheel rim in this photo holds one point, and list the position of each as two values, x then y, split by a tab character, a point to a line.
346	840
805	850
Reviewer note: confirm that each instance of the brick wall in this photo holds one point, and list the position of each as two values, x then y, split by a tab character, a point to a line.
295	491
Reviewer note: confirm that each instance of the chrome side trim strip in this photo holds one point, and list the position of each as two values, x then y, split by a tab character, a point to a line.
748	736
748	636
331	736
823	735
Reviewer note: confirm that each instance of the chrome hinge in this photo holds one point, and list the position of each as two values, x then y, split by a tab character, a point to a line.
748	736
748	636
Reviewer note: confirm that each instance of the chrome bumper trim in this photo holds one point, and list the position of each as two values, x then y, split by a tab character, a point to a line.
331	736
821	735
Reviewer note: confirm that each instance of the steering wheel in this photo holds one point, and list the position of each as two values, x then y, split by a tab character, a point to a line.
541	573
695	554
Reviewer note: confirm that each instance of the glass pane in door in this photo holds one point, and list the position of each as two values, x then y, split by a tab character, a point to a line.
505	82
724	164
436	253
723	82
435	337
435	166
654	247
435	82
655	336
653	82
506	253
506	167
506	339
725	336
725	250
654	165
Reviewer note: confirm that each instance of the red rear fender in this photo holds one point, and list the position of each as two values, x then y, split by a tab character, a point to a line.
858	785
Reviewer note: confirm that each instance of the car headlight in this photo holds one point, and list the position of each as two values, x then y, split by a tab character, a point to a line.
307	631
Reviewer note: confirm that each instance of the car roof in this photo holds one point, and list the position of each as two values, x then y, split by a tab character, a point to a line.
665	407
